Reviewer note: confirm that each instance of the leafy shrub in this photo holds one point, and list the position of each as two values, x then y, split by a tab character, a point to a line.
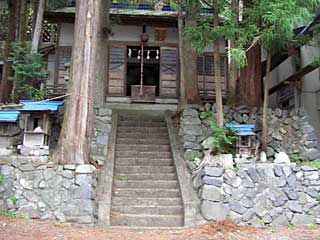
28	72
222	140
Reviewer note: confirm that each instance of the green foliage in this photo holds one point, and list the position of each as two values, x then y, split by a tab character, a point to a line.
315	163
8	214
296	158
29	72
2	179
13	198
222	139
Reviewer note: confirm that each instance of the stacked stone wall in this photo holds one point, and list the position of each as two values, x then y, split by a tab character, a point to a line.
100	138
30	187
289	132
260	194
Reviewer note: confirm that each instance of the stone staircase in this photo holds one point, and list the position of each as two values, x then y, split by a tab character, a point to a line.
145	191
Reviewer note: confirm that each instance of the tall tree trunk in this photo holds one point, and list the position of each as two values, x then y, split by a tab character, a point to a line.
5	87
265	104
23	20
183	99
233	65
217	71
37	33
102	54
75	138
250	79
35	6
190	69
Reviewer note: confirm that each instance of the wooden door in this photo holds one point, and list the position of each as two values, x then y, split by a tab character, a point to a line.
168	72
117	71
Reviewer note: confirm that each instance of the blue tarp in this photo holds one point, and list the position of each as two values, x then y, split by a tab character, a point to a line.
9	116
41	106
242	129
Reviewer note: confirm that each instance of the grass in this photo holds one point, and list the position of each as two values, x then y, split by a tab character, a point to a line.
315	163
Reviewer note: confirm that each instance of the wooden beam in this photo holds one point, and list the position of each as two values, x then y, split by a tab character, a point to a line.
296	76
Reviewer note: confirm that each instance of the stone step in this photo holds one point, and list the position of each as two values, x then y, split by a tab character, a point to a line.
129	123
152	201
142	129
144	169
146	220
139	118
145	161
137	154
148	210
146	192
168	184
142	135
146	176
143	147
150	140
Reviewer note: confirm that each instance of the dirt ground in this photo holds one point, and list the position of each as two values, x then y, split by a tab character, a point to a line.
22	229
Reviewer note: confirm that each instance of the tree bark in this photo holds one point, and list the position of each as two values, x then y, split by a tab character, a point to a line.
217	72
265	104
190	69
5	87
250	84
183	99
37	33
102	65
233	65
23	20
75	138
35	6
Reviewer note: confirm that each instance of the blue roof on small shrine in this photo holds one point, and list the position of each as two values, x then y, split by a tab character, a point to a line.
241	129
9	116
40	106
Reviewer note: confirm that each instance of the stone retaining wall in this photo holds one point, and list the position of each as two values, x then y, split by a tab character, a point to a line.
289	132
260	194
101	131
30	187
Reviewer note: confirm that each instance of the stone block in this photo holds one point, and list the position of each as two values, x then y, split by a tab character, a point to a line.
302	219
212	211
213	171
211	193
85	169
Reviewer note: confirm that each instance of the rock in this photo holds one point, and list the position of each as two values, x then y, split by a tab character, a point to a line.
26	184
102	140
253	174
263	156
190	112
237	117
278	112
308	168
213	171
214	211
247	183
31	196
194	130
211	193
277	136
311	154
312	175
236	182
59	216
67	174
85	169
312	193
280	221
302	219
281	157
286	170
294	206
248	215
69	167
30	211
236	207
291	180
291	194
105	112
278	171
267	219
83	179
212	181
26	167
191	121
222	160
